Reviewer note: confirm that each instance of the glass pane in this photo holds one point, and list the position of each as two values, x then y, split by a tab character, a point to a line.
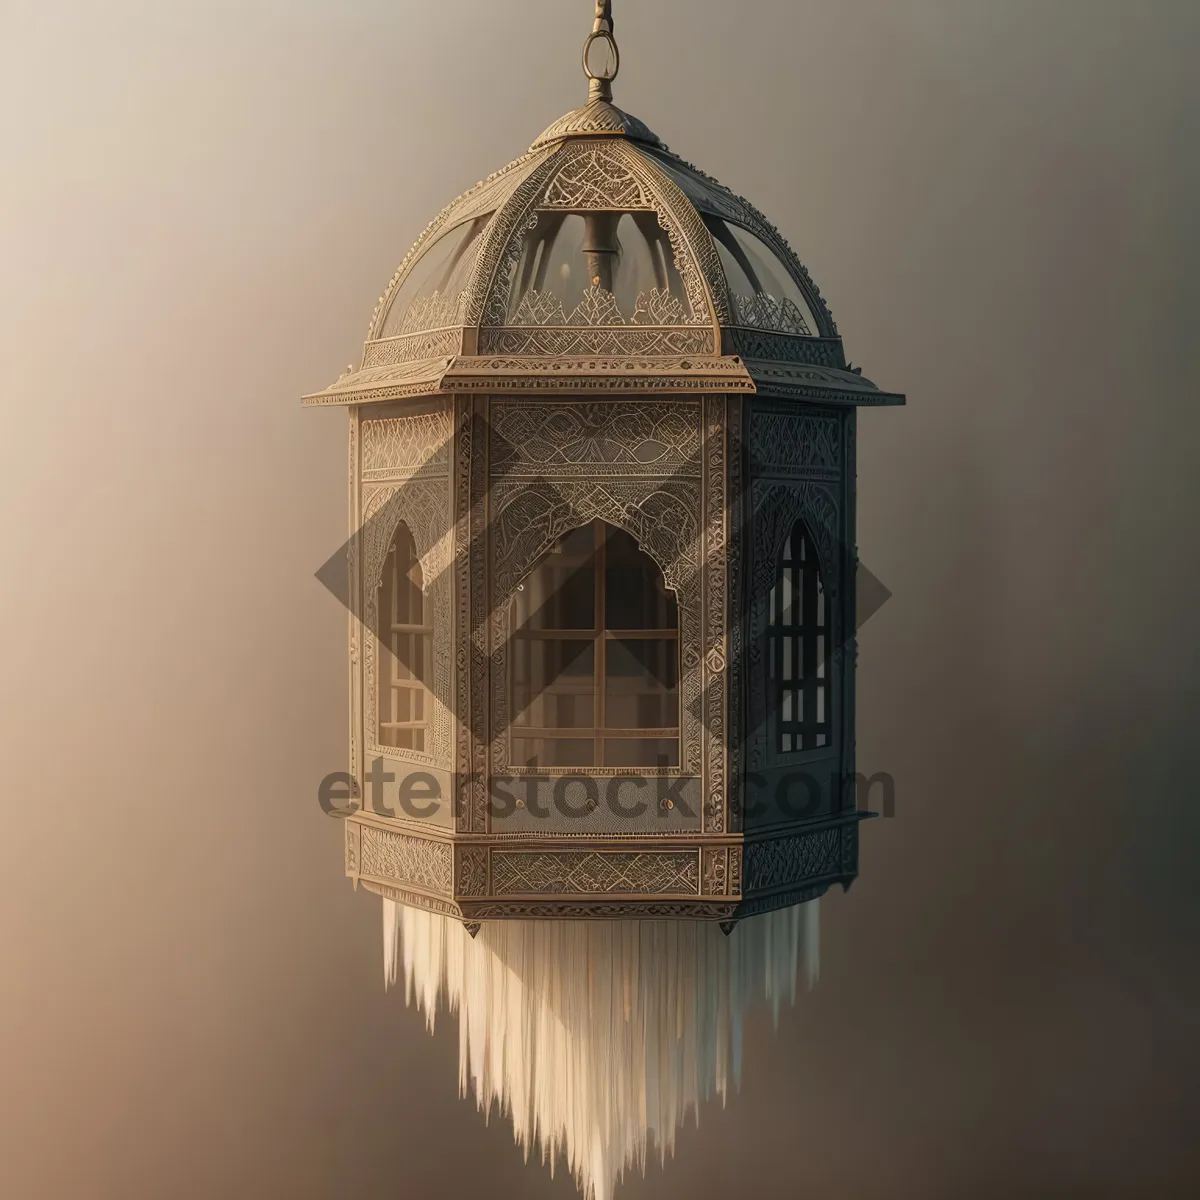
635	596
641	752
560	592
641	679
602	268
404	645
646	282
553	682
789	600
554	752
428	298
763	291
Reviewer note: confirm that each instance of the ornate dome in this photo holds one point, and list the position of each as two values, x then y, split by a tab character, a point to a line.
601	242
599	227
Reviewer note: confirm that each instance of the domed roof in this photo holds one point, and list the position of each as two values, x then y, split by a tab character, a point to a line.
600	241
519	251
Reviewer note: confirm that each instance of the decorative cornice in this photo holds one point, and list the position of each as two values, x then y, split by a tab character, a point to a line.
625	374
808	382
394	382
659	374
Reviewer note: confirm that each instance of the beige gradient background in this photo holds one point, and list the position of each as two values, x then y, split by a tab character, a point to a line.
199	204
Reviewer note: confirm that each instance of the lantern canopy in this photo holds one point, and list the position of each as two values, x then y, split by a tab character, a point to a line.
602	567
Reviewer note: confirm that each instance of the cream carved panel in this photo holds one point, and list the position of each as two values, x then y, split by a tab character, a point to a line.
564	341
591	176
714	869
399	447
412	347
608	438
471	513
418	862
715	590
471	871
568	872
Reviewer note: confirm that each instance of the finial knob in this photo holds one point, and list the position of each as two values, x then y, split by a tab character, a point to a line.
600	86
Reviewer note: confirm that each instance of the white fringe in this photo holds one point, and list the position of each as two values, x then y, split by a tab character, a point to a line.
598	1037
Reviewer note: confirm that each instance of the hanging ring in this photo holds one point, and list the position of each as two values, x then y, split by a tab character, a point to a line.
616	64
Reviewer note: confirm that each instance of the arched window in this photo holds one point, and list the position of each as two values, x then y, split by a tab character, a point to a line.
595	657
799	646
404	648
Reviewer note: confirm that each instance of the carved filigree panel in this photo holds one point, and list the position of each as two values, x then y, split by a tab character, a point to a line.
715	870
593	177
568	872
353	834
735	560
397	447
793	860
472	871
562	342
415	861
662	515
598	307
763	311
804	445
781	347
475	603
412	347
466	435
532	438
715	579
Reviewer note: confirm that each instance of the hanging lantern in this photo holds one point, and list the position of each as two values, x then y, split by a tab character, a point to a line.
602	586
